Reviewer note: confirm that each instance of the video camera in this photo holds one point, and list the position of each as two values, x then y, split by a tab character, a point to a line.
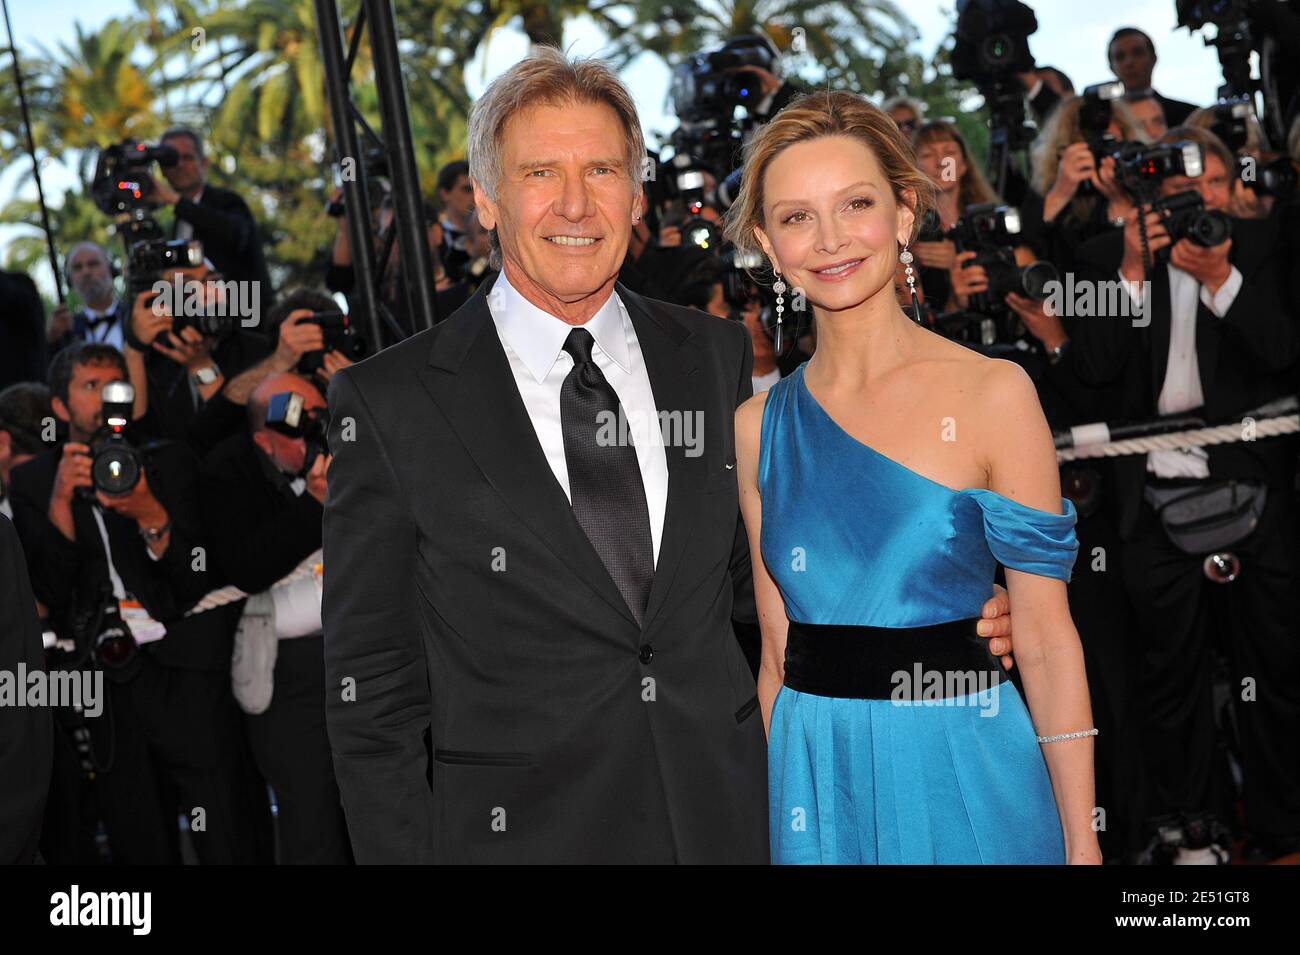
991	50
122	181
286	412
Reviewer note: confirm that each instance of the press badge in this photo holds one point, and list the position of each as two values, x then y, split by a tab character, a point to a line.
143	627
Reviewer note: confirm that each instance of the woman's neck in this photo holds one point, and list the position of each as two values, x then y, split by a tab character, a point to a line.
860	344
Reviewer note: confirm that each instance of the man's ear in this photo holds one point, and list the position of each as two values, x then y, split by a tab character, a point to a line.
263	441
484	208
60	409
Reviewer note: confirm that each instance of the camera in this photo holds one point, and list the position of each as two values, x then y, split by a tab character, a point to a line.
287	414
122	182
339	334
1185	217
992	231
710	84
1141	168
992	40
116	465
1095	115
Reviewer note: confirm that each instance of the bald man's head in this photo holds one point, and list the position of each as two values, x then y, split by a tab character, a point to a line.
274	385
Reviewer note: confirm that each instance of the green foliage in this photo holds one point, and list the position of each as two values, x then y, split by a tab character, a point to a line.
248	74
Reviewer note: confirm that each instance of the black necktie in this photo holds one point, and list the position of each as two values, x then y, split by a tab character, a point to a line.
604	477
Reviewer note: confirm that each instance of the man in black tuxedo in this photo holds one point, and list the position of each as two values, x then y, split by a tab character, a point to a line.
216	217
103	315
528	608
1132	58
1218	340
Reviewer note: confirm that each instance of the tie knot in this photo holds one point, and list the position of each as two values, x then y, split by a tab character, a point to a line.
579	345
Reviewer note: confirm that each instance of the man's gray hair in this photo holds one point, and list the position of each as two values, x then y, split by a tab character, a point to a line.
72	254
546	77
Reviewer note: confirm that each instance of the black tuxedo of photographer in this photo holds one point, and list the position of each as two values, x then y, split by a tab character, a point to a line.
262	505
169	723
1243	345
216	217
185	372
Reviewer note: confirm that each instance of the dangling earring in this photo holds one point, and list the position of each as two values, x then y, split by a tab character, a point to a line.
906	258
779	289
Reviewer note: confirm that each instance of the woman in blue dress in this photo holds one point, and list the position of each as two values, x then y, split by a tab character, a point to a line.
881	483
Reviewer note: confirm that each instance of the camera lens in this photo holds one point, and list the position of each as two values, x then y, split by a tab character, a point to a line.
116	470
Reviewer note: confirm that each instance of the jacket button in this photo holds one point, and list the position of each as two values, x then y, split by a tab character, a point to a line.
647	653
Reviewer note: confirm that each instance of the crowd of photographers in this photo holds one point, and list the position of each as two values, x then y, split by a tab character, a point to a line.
163	459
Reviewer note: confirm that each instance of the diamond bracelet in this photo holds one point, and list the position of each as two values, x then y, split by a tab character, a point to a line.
1058	738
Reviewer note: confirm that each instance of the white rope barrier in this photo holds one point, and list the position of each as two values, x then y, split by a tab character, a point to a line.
1092	441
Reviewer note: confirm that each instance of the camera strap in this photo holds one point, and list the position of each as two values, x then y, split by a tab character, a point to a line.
143	627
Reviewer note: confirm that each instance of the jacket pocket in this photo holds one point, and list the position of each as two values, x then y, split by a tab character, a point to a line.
463	757
743	713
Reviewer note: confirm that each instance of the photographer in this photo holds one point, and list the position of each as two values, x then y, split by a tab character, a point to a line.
262	494
23	410
1215	339
90	274
706	287
1234	123
214	216
1074	193
942	154
118	573
456	201
180	373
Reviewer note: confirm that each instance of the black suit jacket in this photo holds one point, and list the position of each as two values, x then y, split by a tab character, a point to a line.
67	574
1176	111
224	224
463	600
258	529
23	355
26	732
1243	358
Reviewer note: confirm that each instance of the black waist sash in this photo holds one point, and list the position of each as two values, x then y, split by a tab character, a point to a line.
882	663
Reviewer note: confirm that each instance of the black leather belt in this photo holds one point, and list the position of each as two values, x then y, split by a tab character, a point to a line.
890	663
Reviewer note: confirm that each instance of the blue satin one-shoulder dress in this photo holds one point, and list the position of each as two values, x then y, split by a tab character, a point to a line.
852	537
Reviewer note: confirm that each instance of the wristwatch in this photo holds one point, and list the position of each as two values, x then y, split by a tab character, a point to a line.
206	375
1056	354
154	534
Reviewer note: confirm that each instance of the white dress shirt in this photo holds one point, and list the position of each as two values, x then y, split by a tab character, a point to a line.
108	333
184	227
534	344
1181	390
766	381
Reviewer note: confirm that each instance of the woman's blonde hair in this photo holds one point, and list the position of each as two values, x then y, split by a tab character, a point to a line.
814	116
1203	118
1061	130
974	187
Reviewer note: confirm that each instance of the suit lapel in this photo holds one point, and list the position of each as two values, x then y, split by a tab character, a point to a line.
468	377
674	372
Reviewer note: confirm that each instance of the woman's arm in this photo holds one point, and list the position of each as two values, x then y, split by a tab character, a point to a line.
772	621
1021	465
